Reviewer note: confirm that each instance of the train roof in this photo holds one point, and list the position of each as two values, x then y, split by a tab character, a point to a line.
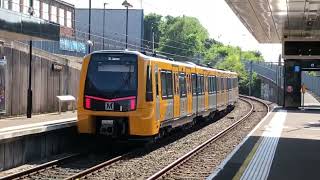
159	59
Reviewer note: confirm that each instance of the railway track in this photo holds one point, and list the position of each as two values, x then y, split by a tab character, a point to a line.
100	171
68	166
198	162
80	166
61	168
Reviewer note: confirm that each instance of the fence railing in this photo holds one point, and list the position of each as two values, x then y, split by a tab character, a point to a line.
268	70
311	82
274	73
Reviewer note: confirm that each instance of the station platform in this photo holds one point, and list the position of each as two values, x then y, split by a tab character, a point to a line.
310	101
21	126
284	145
24	141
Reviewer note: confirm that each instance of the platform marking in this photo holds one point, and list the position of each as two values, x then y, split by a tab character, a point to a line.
35	128
227	159
31	125
260	164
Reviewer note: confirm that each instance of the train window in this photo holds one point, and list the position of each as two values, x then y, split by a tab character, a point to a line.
212	84
157	82
209	85
225	83
233	83
205	82
182	84
202	84
175	87
149	93
221	84
187	80
189	84
199	85
214	80
194	84
164	84
218	84
169	84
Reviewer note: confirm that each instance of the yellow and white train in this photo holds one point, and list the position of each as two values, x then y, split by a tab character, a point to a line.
126	94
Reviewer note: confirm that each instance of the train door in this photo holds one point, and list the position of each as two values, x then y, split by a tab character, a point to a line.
229	91
212	93
194	93
176	96
219	92
156	70
183	93
166	105
189	91
206	94
200	85
225	91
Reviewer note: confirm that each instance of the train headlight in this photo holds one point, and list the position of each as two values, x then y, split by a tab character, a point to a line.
88	103
132	104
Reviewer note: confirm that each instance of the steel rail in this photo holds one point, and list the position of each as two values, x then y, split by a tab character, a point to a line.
206	143
97	167
120	157
39	168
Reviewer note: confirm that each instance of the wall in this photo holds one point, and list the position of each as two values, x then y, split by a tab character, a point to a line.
115	27
46	83
25	149
270	91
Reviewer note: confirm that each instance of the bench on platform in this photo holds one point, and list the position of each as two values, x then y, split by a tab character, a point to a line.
66	98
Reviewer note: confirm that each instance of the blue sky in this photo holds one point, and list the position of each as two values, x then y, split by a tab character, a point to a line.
215	15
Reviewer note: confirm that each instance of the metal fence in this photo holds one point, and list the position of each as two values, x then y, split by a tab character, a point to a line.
78	45
267	70
311	82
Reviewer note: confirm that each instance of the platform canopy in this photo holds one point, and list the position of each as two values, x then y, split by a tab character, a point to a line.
270	20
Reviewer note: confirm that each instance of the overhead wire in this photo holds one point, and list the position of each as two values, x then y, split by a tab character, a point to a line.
115	33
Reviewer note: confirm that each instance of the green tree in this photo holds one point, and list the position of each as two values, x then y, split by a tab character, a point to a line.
152	23
184	36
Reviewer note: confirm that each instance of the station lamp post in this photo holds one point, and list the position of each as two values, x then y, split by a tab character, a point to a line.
29	93
104	20
89	36
126	5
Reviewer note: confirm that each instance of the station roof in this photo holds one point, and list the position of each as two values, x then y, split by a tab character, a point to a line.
270	20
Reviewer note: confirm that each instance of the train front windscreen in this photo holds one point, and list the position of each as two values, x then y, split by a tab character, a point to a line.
111	82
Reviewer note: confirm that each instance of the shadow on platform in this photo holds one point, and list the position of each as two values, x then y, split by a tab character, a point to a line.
294	159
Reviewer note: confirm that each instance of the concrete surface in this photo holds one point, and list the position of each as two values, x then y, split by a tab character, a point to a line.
282	147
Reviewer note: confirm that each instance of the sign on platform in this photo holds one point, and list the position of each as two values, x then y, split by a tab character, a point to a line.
3	63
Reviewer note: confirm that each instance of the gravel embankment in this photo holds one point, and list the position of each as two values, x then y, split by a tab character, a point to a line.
203	164
142	165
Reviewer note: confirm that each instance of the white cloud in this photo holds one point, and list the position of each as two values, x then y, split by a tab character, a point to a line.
215	15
